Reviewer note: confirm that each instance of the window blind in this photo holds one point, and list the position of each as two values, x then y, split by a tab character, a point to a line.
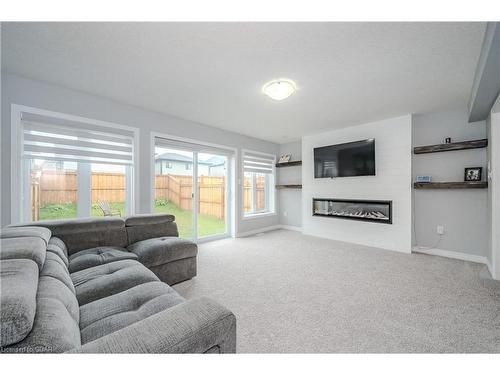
257	162
188	146
45	140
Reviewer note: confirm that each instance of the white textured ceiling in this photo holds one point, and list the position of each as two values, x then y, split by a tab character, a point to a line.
347	73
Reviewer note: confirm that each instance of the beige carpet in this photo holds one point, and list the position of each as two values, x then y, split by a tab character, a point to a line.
296	293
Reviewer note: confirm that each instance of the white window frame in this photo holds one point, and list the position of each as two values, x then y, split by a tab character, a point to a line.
231	198
271	197
19	186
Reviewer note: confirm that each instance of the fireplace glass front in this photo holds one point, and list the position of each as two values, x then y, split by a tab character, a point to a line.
377	211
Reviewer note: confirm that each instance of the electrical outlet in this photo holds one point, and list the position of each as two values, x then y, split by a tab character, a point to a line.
440	229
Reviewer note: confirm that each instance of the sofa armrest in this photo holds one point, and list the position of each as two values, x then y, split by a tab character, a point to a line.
195	326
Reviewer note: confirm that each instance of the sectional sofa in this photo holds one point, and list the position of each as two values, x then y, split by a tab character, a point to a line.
101	286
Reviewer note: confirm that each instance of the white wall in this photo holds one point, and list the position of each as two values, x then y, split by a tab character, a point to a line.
290	200
462	212
392	182
1	136
18	90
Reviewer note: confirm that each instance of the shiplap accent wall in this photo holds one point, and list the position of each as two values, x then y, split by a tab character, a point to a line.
393	181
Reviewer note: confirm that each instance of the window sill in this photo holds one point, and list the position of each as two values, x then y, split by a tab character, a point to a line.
258	215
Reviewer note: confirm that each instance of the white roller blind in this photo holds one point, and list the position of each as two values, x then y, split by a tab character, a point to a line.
188	146
257	162
75	142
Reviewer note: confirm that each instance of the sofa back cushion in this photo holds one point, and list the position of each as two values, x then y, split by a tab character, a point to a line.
18	287
143	227
24	243
31	248
26	231
80	234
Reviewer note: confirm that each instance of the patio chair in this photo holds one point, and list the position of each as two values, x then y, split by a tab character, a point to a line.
107	210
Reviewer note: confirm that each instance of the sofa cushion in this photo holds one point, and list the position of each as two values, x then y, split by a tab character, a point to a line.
18	287
148	219
50	287
54	330
143	227
58	247
157	251
26	231
107	279
56	268
56	324
31	248
80	234
97	256
107	315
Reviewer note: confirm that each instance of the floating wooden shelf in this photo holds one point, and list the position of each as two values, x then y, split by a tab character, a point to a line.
478	143
289	164
288	186
451	185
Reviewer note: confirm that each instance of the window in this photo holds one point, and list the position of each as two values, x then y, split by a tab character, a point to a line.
188	167
54	189
258	183
72	169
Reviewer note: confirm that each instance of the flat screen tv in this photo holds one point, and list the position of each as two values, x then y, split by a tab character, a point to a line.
345	160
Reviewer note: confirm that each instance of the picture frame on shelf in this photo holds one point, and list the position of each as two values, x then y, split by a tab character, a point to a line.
285	158
473	174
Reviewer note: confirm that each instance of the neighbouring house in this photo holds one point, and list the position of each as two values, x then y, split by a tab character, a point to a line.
181	165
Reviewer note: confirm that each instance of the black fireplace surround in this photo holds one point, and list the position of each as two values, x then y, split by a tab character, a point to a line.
351	209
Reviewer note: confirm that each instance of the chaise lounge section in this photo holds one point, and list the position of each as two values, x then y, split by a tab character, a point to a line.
98	286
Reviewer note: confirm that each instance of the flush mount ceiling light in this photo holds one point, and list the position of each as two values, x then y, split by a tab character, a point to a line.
279	89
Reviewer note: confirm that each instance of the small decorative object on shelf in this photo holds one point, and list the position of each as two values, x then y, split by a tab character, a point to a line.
423	179
473	174
447	140
285	158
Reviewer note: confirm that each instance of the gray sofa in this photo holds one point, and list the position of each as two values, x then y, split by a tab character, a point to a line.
101	286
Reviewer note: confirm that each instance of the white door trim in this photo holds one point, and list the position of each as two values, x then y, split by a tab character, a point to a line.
231	228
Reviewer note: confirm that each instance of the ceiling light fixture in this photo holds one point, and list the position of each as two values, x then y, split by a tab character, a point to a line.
279	89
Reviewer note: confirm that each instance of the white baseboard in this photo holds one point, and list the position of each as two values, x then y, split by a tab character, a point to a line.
490	268
259	230
452	254
291	227
267	229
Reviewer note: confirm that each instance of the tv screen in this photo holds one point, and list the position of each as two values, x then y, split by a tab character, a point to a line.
345	160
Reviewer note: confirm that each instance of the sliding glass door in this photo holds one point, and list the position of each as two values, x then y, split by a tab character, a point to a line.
212	195
174	186
191	182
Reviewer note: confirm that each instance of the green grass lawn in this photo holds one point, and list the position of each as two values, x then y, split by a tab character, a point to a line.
207	225
68	210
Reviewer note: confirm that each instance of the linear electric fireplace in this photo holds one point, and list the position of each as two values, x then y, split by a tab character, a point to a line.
378	211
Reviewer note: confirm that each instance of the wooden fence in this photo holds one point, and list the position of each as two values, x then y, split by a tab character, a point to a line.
179	191
60	187
260	192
